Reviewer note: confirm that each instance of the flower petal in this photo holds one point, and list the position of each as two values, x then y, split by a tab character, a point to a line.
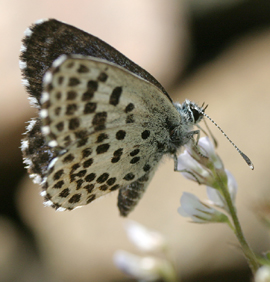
187	163
263	274
143	238
214	196
232	185
209	148
146	268
199	212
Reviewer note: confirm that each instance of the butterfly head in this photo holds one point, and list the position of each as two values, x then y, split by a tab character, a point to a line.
190	115
193	112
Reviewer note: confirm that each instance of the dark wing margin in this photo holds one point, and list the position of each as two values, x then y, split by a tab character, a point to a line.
46	40
36	153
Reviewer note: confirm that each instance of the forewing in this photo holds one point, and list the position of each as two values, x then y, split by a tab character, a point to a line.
46	40
108	127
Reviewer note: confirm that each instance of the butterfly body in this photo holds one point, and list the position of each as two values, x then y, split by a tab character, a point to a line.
104	123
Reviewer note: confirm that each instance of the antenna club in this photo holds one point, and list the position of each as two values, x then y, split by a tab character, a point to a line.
247	159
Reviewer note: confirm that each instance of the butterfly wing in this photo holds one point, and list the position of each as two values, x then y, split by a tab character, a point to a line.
104	133
105	128
46	40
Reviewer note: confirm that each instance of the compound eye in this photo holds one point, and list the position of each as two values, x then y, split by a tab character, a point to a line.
196	114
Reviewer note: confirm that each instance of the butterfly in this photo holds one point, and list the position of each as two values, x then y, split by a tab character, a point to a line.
104	122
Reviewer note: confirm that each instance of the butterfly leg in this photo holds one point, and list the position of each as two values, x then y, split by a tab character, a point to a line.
191	134
195	141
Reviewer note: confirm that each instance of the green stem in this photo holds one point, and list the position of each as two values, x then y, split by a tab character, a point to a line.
231	225
169	276
172	277
249	254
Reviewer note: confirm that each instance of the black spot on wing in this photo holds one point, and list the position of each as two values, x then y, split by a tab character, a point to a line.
115	96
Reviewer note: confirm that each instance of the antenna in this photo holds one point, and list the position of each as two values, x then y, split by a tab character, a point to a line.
245	157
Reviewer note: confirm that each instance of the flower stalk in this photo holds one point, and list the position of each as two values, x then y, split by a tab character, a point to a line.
249	254
200	163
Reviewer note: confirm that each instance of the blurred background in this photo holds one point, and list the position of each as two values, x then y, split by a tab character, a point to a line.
210	51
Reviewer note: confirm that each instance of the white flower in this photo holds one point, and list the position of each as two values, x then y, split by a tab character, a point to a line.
209	150
146	268
263	274
199	212
143	238
200	163
215	197
232	185
191	169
